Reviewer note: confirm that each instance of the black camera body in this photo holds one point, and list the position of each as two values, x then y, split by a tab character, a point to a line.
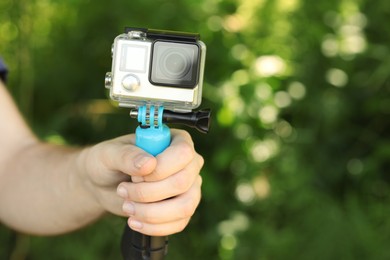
155	67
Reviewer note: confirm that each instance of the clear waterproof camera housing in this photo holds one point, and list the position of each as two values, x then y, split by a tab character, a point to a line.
154	67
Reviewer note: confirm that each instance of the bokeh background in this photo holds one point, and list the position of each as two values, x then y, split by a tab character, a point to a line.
298	157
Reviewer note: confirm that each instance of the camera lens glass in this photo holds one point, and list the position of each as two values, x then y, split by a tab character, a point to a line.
175	64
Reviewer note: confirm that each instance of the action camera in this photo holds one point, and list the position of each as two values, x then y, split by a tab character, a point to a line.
156	67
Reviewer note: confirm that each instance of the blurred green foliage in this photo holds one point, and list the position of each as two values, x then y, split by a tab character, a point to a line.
297	160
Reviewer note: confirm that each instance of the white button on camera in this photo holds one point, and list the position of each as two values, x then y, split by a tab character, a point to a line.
130	82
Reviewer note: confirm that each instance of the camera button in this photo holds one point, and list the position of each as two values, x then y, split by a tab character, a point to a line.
108	80
130	82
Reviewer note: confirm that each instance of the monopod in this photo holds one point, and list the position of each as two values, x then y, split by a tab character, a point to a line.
153	136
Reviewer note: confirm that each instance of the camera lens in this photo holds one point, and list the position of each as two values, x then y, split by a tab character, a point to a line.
175	64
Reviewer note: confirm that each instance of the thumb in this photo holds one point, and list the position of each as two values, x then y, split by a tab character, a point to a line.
123	156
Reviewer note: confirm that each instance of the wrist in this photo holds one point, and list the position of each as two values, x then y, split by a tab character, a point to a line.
84	179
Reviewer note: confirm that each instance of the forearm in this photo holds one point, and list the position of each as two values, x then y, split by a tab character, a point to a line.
43	190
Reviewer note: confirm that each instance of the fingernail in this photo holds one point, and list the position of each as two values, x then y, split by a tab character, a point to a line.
122	192
141	160
128	208
135	224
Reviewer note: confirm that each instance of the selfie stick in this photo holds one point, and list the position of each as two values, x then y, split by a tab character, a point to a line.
153	136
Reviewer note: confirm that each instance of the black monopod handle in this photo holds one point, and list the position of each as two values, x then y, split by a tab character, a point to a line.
137	246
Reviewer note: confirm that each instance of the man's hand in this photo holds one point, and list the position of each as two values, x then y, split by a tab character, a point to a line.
166	188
